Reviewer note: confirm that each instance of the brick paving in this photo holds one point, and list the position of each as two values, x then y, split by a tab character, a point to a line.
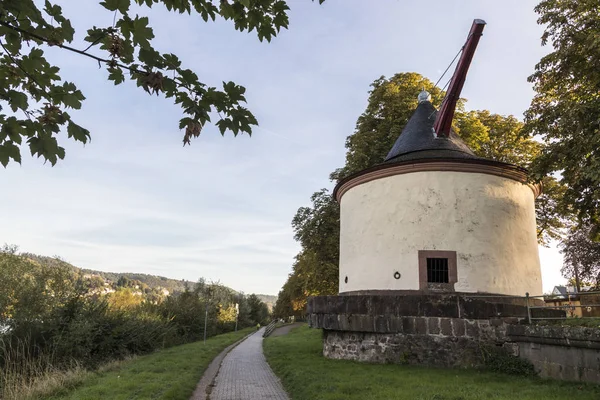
245	374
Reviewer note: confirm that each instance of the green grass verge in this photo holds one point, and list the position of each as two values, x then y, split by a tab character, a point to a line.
169	374
297	359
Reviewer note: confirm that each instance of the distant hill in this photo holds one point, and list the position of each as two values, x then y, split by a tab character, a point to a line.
153	281
268	299
114	279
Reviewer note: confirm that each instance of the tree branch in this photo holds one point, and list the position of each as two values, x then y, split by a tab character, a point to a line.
109	62
14	60
69	48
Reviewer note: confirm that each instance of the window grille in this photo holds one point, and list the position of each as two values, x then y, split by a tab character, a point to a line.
437	270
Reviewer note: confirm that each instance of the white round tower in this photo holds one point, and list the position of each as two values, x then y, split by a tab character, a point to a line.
434	217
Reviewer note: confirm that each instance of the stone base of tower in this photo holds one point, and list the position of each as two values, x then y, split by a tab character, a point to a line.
448	330
431	341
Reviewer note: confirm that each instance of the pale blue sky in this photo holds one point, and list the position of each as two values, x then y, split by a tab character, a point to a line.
135	200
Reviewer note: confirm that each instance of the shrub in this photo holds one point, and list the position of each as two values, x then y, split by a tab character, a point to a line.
498	360
52	320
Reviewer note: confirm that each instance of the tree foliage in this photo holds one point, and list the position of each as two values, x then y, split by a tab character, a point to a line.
581	257
565	111
391	103
258	312
34	98
50	317
29	290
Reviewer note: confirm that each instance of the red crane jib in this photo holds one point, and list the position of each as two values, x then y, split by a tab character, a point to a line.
443	121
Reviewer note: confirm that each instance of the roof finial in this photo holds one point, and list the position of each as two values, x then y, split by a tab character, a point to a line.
424	96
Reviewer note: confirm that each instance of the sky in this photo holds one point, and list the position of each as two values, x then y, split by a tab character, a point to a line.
135	200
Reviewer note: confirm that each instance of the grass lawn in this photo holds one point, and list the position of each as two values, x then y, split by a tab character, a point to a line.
296	358
170	374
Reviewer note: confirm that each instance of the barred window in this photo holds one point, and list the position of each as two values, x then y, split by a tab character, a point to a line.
437	270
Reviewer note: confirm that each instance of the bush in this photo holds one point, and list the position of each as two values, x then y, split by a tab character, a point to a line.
52	320
498	360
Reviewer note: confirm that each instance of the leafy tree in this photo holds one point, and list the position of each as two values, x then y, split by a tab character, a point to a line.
28	290
581	257
38	97
259	313
552	213
291	300
124	299
565	111
94	282
391	103
227	313
502	139
52	317
244	313
317	227
124	282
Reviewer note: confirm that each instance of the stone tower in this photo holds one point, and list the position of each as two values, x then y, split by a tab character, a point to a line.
438	249
434	217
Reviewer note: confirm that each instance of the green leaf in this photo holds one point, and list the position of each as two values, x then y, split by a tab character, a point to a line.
67	30
45	145
77	132
188	76
113	5
70	96
61	152
171	61
116	75
94	34
150	57
9	150
142	34
17	100
183	122
71	100
13	129
13	42
169	87
55	11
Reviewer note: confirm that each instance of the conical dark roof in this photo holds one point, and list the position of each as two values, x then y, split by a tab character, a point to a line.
418	141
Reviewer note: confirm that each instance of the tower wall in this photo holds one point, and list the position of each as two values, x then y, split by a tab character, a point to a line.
487	220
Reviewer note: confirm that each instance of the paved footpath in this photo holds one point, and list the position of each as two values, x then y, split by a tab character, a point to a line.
245	374
284	330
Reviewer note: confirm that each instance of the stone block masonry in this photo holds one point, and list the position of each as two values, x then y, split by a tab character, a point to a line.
561	352
441	332
444	342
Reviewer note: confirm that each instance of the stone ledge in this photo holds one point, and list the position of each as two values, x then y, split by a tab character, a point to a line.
425	305
573	336
432	326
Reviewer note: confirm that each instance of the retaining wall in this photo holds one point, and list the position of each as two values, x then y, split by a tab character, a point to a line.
373	329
